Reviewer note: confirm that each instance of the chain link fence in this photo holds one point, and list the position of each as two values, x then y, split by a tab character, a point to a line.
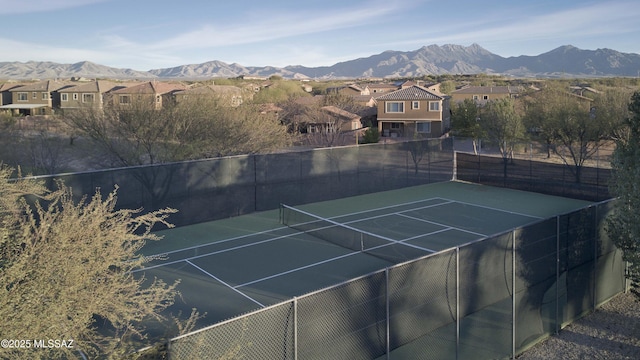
538	168
492	298
219	188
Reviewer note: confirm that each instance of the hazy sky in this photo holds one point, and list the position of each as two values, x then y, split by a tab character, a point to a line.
145	35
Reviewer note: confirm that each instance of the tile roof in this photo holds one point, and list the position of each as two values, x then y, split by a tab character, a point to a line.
488	90
47	85
340	112
211	89
9	86
100	86
414	92
151	87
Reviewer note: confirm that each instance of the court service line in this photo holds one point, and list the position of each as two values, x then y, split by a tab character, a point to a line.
445	201
344	256
494	209
393	213
224	283
439	224
361	231
285	227
392	206
299	268
218	251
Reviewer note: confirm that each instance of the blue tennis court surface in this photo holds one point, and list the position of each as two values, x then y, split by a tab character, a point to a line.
233	266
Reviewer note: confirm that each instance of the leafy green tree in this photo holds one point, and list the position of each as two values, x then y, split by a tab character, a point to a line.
446	87
371	135
503	126
569	124
624	225
279	91
66	272
464	121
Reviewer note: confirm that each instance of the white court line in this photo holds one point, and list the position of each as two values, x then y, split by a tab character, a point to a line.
286	236
447	226
340	257
344	225
286	227
290	235
491	208
224	283
218	251
298	269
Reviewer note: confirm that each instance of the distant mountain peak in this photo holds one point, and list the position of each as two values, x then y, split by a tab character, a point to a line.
427	60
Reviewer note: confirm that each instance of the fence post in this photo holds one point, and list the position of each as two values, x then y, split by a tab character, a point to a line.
557	274
595	260
295	328
457	302
386	296
513	294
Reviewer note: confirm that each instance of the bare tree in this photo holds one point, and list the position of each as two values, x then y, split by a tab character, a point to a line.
192	129
66	270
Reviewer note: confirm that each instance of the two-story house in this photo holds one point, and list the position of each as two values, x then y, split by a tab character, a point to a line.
228	95
351	90
86	95
5	92
409	111
381	88
482	94
38	98
151	93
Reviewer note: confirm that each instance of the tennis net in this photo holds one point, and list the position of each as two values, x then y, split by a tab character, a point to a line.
349	237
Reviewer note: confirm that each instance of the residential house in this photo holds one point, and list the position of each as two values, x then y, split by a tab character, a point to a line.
38	98
5	92
345	121
411	110
151	93
87	95
482	94
351	90
327	119
381	88
584	90
269	108
228	95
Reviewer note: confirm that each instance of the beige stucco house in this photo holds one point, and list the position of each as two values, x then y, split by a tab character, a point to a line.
405	112
482	94
228	95
39	98
87	95
151	93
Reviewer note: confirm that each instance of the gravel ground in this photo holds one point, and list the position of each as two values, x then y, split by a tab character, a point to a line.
612	332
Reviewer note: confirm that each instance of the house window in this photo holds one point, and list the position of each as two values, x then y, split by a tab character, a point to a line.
75	96
485	97
64	97
395	125
22	96
395	107
475	97
423	127
45	96
158	99
434	106
125	99
415	105
34	95
87	97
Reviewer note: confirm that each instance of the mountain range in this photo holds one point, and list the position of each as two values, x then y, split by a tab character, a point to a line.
565	61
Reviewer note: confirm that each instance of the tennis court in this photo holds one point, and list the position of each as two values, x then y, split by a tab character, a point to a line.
233	266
